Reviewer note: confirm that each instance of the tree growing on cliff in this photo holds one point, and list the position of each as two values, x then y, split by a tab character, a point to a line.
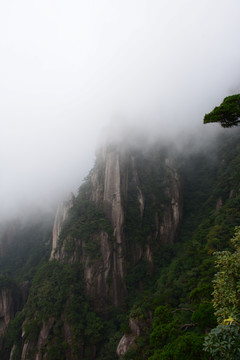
227	114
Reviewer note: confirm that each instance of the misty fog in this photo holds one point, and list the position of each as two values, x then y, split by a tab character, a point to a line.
76	72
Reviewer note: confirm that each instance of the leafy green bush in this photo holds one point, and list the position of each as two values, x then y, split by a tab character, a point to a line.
223	342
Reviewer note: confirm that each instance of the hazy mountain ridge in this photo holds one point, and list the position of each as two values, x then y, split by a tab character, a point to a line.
139	235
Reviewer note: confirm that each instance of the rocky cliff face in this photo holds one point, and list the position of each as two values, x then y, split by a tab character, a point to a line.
7	309
172	214
111	257
10	299
108	189
134	191
129	207
61	216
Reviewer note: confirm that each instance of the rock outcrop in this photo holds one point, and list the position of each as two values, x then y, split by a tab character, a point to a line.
172	214
10	300
119	185
36	349
7	308
126	343
107	191
128	208
61	216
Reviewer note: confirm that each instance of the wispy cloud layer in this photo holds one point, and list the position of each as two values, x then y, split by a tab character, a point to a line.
71	68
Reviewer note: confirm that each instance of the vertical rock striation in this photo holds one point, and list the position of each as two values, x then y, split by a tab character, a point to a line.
173	213
10	300
129	206
61	216
107	192
7	308
120	185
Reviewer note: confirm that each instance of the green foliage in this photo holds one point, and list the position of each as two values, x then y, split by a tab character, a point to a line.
168	338
85	218
93	249
86	325
226	294
56	347
130	355
164	327
151	176
108	349
52	285
31	330
85	222
187	277
227	114
13	336
57	350
58	289
204	316
114	328
180	278
223	342
137	274
185	347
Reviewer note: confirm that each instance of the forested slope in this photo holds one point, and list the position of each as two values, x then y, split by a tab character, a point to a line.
134	262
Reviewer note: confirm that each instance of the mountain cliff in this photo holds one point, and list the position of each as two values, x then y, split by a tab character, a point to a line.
129	268
141	217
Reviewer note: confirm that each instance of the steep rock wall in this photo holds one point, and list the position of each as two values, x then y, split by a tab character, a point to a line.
173	213
107	190
9	304
117	175
140	198
6	308
61	216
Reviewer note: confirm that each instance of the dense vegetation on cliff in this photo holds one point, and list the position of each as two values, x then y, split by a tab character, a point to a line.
168	303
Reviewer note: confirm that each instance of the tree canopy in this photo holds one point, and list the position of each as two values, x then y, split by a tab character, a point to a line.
223	342
227	114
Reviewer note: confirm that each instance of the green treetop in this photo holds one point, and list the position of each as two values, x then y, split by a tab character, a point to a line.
227	114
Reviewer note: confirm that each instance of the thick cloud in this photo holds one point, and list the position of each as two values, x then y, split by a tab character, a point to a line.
71	68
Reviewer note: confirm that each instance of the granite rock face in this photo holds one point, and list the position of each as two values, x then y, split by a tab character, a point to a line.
140	200
126	343
119	172
10	302
7	308
61	216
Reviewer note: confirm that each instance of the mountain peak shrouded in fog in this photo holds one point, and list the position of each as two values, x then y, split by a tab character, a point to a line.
72	71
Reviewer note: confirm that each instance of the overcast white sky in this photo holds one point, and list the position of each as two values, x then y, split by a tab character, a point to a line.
70	68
